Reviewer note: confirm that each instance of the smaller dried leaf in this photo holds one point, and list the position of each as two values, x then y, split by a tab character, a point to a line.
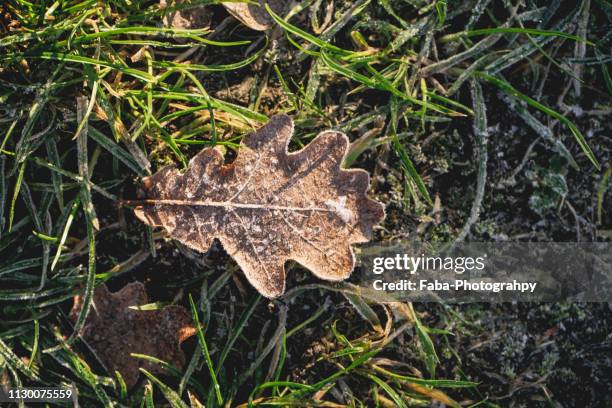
255	16
187	18
114	331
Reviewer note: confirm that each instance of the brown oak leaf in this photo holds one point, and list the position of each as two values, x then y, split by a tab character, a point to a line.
114	331
269	205
255	16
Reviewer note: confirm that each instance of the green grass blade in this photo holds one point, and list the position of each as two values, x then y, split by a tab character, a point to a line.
83	160
204	348
513	30
510	90
72	213
409	167
237	331
390	391
304	35
2	191
430	383
171	396
56	178
34	352
16	194
15	362
115	150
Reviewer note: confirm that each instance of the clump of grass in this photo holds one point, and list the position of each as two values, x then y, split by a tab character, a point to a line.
95	95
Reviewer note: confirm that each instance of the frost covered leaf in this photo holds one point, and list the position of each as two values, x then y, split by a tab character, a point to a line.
255	16
114	331
268	206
